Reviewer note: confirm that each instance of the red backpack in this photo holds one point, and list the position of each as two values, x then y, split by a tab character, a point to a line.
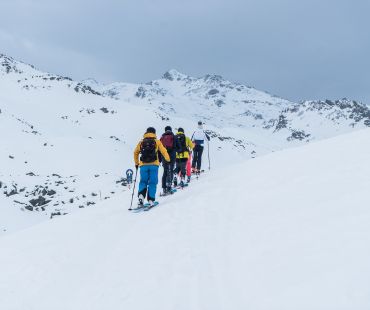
168	140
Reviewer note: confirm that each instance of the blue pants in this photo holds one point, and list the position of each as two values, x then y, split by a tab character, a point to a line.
148	181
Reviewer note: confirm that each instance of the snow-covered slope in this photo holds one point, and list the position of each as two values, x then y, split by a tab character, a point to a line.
64	148
284	231
67	144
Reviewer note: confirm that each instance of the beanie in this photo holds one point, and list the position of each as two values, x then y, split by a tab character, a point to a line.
150	130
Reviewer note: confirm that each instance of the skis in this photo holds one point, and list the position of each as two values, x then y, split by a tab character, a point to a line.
182	186
144	207
171	192
147	206
197	172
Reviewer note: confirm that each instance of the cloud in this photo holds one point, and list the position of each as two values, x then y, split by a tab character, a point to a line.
296	49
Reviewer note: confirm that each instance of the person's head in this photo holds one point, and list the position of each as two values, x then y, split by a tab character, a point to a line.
168	128
181	130
150	130
200	124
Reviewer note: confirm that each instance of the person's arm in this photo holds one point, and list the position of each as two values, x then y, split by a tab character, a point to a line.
136	154
189	143
163	151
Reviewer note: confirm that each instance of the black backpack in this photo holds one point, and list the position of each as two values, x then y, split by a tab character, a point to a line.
182	143
148	150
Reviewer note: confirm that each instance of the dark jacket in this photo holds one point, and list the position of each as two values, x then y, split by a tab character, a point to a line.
171	152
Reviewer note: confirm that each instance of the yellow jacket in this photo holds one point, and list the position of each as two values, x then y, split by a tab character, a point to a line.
159	147
189	146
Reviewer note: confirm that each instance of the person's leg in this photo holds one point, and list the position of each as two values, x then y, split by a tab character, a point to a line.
183	167
177	167
188	166
165	174
176	171
171	167
195	157
144	178
199	161
153	181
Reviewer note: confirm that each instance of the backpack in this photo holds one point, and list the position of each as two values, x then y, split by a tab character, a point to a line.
182	143
148	150
168	141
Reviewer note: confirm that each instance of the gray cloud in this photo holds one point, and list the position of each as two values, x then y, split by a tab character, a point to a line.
295	49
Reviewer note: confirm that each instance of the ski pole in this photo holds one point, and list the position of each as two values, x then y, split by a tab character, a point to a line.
133	190
209	160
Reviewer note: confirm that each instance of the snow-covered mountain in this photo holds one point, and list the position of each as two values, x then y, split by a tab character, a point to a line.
289	230
67	144
231	105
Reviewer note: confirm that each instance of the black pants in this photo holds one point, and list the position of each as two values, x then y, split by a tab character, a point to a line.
167	174
181	166
197	157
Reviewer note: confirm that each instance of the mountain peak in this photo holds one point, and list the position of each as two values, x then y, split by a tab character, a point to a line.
9	64
90	82
213	78
173	75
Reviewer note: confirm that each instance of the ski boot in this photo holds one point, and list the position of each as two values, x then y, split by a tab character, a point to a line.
188	179
140	202
182	184
175	181
165	192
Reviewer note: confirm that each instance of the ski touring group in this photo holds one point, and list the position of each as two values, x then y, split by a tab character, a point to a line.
180	156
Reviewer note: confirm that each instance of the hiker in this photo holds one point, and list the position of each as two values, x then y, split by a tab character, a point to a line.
182	154
198	138
148	147
169	141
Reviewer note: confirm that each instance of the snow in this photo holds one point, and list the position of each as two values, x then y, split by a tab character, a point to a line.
69	142
288	230
60	135
285	230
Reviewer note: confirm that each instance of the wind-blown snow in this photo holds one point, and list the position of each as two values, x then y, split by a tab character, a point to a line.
287	230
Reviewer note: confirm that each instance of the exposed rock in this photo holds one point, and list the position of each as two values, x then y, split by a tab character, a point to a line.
213	92
298	135
282	123
40	201
140	93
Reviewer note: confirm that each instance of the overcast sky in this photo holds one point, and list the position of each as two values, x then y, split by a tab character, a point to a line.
297	49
